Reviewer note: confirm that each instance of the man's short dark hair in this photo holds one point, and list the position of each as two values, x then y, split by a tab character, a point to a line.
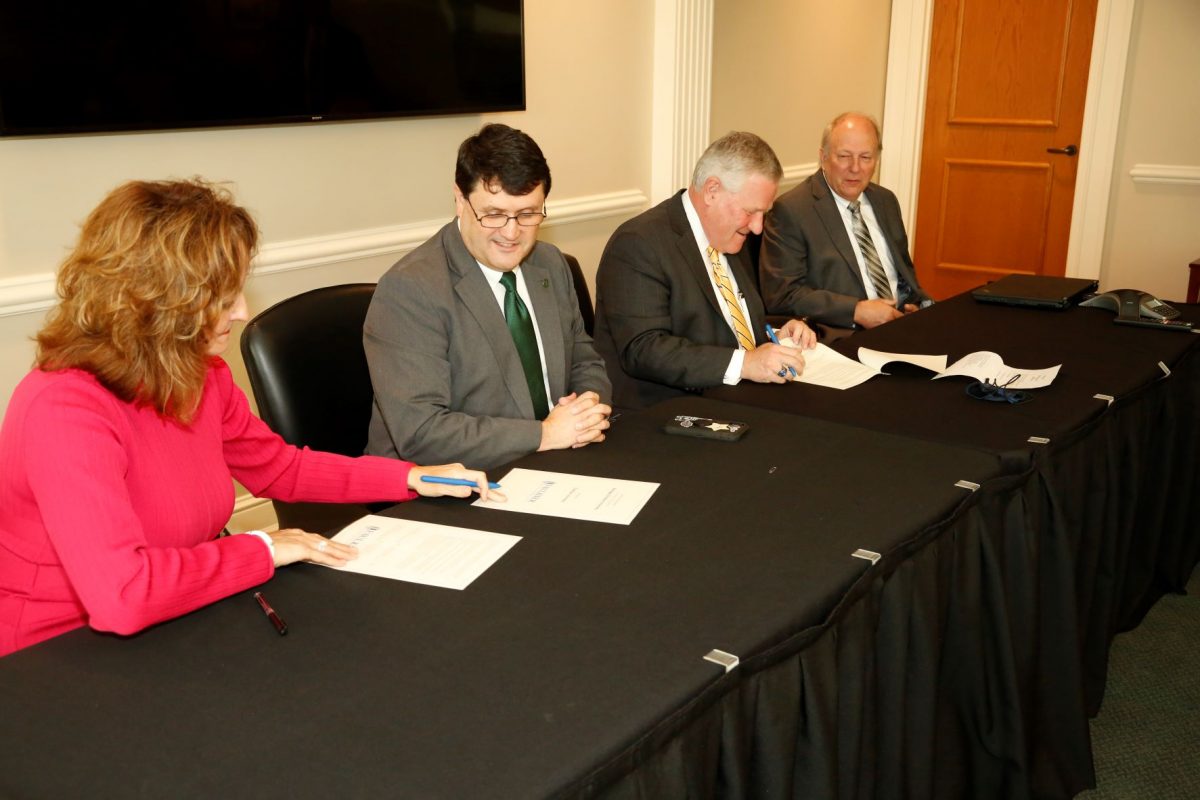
504	155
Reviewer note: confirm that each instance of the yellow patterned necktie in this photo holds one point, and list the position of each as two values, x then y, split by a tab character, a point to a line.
740	329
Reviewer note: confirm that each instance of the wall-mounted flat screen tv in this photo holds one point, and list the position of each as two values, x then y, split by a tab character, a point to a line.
123	65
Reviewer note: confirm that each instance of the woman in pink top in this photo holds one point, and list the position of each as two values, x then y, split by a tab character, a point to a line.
119	450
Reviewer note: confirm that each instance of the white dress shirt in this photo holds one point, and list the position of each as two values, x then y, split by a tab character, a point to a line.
733	372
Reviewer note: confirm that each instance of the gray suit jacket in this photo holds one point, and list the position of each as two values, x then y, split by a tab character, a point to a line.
448	381
807	266
658	324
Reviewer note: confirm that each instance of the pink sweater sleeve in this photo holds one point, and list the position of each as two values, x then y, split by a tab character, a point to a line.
76	461
270	467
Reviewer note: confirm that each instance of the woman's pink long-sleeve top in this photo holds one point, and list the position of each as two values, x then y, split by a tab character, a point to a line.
109	511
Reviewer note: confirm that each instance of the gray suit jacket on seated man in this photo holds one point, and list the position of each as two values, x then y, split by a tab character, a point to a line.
662	324
450	384
810	264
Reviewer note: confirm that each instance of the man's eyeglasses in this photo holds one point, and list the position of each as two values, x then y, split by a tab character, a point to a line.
526	219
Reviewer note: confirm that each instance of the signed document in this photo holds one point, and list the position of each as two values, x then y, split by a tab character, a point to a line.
422	552
983	365
824	366
559	494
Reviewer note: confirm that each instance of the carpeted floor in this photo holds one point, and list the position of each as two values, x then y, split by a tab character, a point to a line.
1146	739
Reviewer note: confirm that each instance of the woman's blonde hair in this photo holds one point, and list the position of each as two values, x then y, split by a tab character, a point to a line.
141	294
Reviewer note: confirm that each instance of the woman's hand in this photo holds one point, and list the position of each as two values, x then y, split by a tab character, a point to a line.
293	544
479	482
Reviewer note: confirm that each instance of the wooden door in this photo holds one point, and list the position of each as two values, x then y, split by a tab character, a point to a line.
1007	81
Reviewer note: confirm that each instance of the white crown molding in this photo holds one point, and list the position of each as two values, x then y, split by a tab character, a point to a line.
28	294
1165	173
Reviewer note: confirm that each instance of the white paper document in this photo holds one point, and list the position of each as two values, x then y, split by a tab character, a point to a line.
824	366
560	494
422	552
877	359
982	366
989	366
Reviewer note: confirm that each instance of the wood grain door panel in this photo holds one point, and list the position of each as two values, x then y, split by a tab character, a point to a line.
1007	81
984	202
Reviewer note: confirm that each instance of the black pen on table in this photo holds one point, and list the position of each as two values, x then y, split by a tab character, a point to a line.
279	624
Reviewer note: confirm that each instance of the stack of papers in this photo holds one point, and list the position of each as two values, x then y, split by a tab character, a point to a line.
824	366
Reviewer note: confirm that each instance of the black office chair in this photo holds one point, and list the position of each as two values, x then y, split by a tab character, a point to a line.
308	372
582	294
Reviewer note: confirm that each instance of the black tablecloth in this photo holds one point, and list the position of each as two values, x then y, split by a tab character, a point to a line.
963	664
1097	358
574	666
1118	483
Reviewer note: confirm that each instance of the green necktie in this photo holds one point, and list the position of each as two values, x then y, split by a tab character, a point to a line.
521	328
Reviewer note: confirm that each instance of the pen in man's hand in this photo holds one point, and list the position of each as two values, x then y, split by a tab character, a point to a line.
775	339
279	624
455	481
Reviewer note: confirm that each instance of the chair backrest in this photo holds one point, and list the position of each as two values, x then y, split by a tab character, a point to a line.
308	371
582	294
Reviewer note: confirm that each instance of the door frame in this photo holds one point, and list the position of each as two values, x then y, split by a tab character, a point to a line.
904	114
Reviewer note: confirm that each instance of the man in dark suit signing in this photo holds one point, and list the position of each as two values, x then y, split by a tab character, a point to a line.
474	340
676	305
834	248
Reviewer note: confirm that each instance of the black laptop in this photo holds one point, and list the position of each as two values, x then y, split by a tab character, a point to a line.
1035	291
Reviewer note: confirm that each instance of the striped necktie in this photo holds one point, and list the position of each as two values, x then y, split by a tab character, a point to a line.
874	266
740	329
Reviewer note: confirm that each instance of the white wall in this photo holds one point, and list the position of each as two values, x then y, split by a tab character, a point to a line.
1152	230
329	198
341	202
783	69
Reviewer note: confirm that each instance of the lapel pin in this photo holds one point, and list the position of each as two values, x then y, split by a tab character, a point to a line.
545	283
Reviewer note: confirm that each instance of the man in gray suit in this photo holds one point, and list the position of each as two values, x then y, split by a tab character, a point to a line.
474	340
834	248
676	305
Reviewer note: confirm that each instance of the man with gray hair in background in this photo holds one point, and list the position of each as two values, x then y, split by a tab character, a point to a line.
677	308
835	250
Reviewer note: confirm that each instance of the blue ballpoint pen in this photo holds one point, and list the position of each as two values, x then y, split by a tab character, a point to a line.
455	481
771	335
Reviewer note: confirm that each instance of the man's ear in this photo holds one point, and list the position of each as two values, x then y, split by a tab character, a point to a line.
712	187
460	203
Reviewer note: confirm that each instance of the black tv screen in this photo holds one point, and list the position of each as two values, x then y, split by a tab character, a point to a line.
119	65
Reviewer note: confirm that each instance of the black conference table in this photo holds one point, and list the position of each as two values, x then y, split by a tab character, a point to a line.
957	665
1111	446
574	666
